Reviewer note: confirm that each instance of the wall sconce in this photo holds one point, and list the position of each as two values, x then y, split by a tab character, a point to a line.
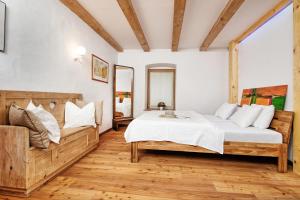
79	53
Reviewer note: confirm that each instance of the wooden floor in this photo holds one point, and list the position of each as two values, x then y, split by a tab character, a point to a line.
107	173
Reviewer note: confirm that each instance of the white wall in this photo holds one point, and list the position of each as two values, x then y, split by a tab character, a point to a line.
40	39
201	77
266	57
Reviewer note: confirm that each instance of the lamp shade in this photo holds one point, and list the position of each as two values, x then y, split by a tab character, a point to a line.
80	51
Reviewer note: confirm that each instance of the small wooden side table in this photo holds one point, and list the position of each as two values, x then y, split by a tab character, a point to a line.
121	121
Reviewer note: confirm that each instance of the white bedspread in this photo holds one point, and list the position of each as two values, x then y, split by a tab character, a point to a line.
195	130
234	133
124	108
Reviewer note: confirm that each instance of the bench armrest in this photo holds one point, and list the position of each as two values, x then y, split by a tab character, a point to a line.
14	135
14	145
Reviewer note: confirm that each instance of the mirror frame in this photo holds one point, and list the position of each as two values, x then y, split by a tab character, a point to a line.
114	93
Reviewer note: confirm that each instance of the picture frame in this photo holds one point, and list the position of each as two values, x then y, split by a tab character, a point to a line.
100	69
2	25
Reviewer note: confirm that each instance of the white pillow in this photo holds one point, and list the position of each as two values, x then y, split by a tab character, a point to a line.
225	110
48	120
77	117
127	100
264	119
245	116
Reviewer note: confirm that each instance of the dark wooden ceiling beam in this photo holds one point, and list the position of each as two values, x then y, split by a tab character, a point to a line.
179	8
230	9
82	13
128	10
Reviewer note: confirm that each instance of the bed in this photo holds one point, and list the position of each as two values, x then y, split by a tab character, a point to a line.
208	134
123	101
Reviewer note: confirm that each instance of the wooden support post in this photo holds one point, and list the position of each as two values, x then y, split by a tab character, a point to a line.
296	142
233	72
134	152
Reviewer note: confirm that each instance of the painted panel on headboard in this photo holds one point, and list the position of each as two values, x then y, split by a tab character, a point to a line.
275	95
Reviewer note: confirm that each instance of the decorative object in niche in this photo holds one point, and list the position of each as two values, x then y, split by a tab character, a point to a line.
161	105
100	69
274	95
2	25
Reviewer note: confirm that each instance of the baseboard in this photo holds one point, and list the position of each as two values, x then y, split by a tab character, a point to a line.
106	131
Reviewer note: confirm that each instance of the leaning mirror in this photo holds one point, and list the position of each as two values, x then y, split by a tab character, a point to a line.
123	95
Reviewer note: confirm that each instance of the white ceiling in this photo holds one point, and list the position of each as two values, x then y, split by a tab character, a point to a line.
156	19
248	13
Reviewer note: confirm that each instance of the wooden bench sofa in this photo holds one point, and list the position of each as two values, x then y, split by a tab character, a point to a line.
24	168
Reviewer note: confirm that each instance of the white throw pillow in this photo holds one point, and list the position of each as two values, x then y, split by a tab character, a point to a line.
225	110
48	120
77	117
127	100
98	107
264	119
245	116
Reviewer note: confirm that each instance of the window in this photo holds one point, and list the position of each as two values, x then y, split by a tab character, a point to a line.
161	88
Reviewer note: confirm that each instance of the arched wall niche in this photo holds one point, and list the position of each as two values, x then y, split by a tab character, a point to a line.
164	67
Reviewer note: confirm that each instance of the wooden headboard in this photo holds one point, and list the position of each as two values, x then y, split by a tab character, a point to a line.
22	98
283	123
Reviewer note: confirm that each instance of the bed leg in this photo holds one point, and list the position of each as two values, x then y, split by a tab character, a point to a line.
283	158
134	152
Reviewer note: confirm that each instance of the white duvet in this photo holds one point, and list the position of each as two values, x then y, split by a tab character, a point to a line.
124	108
189	128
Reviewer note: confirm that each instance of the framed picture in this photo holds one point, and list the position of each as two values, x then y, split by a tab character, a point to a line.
100	69
2	25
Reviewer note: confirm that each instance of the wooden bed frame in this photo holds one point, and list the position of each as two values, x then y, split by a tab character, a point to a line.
282	122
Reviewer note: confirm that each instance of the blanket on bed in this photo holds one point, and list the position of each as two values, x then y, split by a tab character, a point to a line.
189	128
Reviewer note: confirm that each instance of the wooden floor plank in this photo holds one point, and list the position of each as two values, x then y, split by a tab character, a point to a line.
107	173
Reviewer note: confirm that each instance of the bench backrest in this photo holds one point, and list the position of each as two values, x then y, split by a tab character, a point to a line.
283	123
52	102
